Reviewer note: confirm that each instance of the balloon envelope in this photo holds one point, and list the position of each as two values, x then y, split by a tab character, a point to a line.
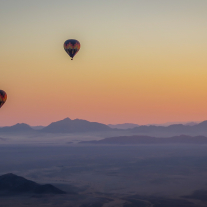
71	46
3	97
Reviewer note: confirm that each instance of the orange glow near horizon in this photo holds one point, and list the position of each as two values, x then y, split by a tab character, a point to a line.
134	70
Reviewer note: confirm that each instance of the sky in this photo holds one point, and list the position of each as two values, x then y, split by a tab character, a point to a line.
141	61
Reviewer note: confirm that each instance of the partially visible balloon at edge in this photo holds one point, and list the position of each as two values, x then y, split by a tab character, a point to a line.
3	97
71	46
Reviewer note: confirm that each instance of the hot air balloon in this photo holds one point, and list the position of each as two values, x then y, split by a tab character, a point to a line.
71	46
3	98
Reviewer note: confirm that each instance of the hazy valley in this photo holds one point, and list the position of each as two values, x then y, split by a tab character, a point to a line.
134	174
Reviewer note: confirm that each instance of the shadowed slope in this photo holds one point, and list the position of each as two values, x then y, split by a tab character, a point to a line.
178	128
182	139
17	128
13	184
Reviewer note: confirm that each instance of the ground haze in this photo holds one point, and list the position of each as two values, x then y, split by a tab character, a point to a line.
111	175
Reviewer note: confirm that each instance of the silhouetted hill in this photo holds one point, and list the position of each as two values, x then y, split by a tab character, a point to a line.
13	184
182	139
123	126
178	128
70	126
17	128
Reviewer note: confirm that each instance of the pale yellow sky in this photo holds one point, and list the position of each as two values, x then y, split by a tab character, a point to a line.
139	62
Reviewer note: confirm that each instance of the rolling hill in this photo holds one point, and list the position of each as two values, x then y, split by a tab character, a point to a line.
13	184
71	126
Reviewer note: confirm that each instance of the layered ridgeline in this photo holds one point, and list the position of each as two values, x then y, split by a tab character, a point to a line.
178	128
13	184
134	140
63	126
80	126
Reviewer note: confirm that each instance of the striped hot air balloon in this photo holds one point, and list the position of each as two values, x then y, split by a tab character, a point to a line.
3	97
71	46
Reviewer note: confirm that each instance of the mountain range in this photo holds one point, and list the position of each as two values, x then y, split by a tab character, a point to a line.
13	184
81	126
178	128
63	126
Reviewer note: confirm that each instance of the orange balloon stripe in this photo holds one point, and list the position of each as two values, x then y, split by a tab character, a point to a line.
3	98
70	46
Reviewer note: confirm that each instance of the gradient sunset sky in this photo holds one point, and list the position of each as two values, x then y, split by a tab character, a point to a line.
141	61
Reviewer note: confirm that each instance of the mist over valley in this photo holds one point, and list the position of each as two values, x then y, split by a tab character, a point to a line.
105	166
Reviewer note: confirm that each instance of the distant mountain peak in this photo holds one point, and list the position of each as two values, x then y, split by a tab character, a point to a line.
77	125
203	123
21	124
66	119
20	127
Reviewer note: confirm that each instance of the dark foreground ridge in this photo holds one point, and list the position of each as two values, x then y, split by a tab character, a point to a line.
22	192
13	184
182	139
